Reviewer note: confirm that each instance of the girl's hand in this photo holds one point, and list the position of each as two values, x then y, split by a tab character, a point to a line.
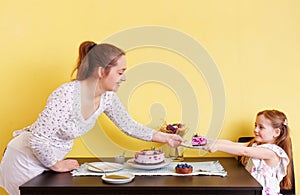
65	165
211	145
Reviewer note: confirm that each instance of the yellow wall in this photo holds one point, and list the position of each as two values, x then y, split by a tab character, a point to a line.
254	43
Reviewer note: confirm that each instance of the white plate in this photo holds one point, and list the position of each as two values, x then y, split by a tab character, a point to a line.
132	163
106	166
188	144
119	181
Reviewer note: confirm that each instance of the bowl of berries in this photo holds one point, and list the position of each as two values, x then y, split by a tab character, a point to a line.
183	168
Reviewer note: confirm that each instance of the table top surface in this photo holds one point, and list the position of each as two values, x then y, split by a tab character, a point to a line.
237	177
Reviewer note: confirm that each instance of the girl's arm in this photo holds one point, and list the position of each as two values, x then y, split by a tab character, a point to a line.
226	146
241	149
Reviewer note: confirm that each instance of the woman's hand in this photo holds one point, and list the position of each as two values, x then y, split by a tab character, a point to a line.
65	165
173	140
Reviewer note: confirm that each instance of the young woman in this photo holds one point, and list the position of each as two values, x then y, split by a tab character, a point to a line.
71	111
267	156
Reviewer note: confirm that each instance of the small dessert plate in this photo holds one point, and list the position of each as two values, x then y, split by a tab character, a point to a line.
105	167
121	178
188	144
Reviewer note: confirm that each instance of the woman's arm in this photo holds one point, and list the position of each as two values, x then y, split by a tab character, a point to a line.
119	115
65	165
46	126
173	140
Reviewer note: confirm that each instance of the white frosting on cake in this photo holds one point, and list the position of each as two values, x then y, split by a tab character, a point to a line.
149	157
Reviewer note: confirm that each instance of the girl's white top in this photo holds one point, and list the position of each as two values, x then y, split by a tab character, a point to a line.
269	177
61	122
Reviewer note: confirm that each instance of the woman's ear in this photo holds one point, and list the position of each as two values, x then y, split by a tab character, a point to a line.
100	72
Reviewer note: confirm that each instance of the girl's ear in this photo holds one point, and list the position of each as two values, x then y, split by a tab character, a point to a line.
277	132
100	72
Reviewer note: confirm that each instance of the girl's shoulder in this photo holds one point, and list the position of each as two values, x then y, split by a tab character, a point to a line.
284	159
277	149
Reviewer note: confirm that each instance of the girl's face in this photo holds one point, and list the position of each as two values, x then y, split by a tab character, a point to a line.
112	81
263	131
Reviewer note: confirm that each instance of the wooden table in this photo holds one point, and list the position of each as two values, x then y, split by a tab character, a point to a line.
238	181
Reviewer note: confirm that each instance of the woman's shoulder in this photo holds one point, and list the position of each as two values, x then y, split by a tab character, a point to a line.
67	87
70	84
110	99
109	95
66	90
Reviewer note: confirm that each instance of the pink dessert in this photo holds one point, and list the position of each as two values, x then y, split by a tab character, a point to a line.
198	140
149	157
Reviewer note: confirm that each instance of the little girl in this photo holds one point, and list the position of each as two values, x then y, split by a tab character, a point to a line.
267	156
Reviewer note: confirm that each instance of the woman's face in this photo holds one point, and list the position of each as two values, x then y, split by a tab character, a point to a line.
263	131
113	79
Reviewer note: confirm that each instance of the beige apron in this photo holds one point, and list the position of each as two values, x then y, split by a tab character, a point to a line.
19	164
